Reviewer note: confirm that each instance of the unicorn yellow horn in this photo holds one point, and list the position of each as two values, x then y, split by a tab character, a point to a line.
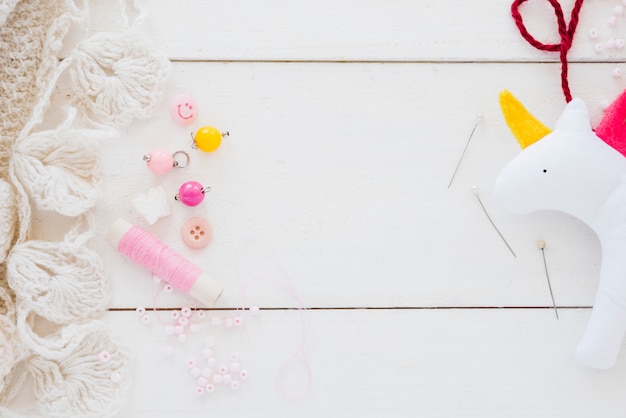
524	126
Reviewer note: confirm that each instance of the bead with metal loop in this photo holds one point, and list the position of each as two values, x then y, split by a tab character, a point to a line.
207	139
160	161
191	193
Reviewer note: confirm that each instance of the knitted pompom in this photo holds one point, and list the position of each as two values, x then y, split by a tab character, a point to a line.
74	378
118	77
8	218
59	169
63	282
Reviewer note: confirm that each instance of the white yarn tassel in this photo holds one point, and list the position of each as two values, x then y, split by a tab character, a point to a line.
118	77
59	169
8	340
8	218
73	380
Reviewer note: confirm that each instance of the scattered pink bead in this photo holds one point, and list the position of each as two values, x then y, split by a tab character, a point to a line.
175	315
598	47
617	72
141	311
210	388
610	44
168	288
116	377
243	375
593	34
207	352
227	379
618	10
200	314
191	363
195	372
178	330
612	21
207	372
186	312
234	385
211	362
254	310
217	379
202	381
169	330
235	367
234	357
619	43
199	391
237	321
194	328
183	321
104	356
223	369
146	319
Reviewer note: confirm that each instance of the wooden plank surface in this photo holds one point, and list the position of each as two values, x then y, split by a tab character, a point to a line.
347	119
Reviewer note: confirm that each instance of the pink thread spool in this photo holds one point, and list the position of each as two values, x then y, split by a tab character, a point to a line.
148	251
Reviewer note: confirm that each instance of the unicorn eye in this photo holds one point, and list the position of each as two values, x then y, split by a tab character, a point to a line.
545	171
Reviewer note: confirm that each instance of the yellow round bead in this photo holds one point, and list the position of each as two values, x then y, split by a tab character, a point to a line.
208	138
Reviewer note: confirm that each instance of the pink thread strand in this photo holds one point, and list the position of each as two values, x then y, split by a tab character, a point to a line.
148	251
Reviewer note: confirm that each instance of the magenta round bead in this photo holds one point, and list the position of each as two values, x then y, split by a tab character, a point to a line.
161	161
190	193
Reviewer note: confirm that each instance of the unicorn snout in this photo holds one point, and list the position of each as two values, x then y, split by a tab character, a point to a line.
509	195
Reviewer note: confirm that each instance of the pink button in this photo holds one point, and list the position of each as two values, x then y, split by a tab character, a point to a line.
197	232
183	109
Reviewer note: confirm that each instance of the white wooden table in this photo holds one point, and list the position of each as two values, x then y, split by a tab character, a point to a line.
347	119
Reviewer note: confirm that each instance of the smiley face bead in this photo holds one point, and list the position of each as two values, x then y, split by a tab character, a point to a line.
191	193
208	139
183	109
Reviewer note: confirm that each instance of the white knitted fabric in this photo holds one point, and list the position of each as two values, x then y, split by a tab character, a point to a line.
76	366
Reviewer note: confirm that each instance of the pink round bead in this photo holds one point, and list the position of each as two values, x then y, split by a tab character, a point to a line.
183	109
161	161
190	193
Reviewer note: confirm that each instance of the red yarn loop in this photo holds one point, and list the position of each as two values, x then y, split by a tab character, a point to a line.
566	32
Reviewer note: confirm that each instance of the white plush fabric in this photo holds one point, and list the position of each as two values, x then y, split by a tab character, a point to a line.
572	170
117	77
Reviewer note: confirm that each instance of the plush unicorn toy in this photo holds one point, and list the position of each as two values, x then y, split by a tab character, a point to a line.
583	173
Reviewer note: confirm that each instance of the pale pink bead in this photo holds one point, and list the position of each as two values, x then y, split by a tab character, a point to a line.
217	379
619	43
186	312
195	372
179	329
211	362
199	391
207	352
226	379
243	375
168	288
159	161
593	34
104	356
237	321
202	381
210	388
141	311
612	21
598	47
617	72
223	369
254	310
183	109
116	377
175	315
191	363
183	321
207	372
169	330
146	319
194	328
610	44
234	385
235	367
618	10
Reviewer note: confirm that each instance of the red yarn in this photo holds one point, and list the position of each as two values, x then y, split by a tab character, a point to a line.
565	32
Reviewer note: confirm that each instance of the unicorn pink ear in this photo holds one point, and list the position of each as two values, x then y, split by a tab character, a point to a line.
612	127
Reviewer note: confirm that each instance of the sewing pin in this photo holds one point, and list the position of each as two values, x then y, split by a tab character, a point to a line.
542	245
475	191
478	119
